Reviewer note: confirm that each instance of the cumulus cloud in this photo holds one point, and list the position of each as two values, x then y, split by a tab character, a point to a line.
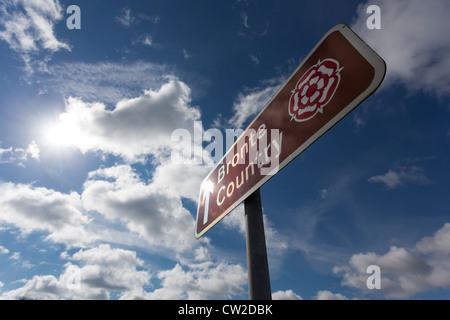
439	243
412	41
45	210
102	270
286	295
404	271
134	128
393	179
151	211
148	210
111	269
183	179
235	220
200	281
46	287
97	272
328	295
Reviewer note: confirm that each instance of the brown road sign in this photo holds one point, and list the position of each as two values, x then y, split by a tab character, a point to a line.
337	75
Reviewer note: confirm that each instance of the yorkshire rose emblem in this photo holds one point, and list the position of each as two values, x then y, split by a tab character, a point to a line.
314	90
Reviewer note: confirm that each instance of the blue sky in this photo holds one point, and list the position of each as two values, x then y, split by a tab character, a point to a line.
93	207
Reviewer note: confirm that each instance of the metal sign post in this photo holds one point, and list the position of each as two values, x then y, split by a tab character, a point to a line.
257	264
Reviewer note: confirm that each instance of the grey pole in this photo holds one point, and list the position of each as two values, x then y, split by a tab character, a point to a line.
257	264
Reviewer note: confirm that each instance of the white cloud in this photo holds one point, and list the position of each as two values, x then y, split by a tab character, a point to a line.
11	155
235	220
393	179
103	270
413	42
252	101
152	212
182	179
254	59
39	287
328	295
275	242
202	254
286	295
33	150
125	19
106	82
244	17
200	281
33	209
135	128
15	256
186	55
147	40
111	269
254	29
405	272
439	243
28	27
19	155
3	250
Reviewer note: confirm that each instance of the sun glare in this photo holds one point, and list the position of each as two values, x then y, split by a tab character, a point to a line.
208	186
61	135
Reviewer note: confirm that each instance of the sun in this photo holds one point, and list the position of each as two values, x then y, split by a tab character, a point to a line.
62	135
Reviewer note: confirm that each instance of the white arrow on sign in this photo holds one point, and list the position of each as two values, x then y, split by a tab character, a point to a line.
209	188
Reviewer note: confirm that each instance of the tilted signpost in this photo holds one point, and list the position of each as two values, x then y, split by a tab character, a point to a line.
337	75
